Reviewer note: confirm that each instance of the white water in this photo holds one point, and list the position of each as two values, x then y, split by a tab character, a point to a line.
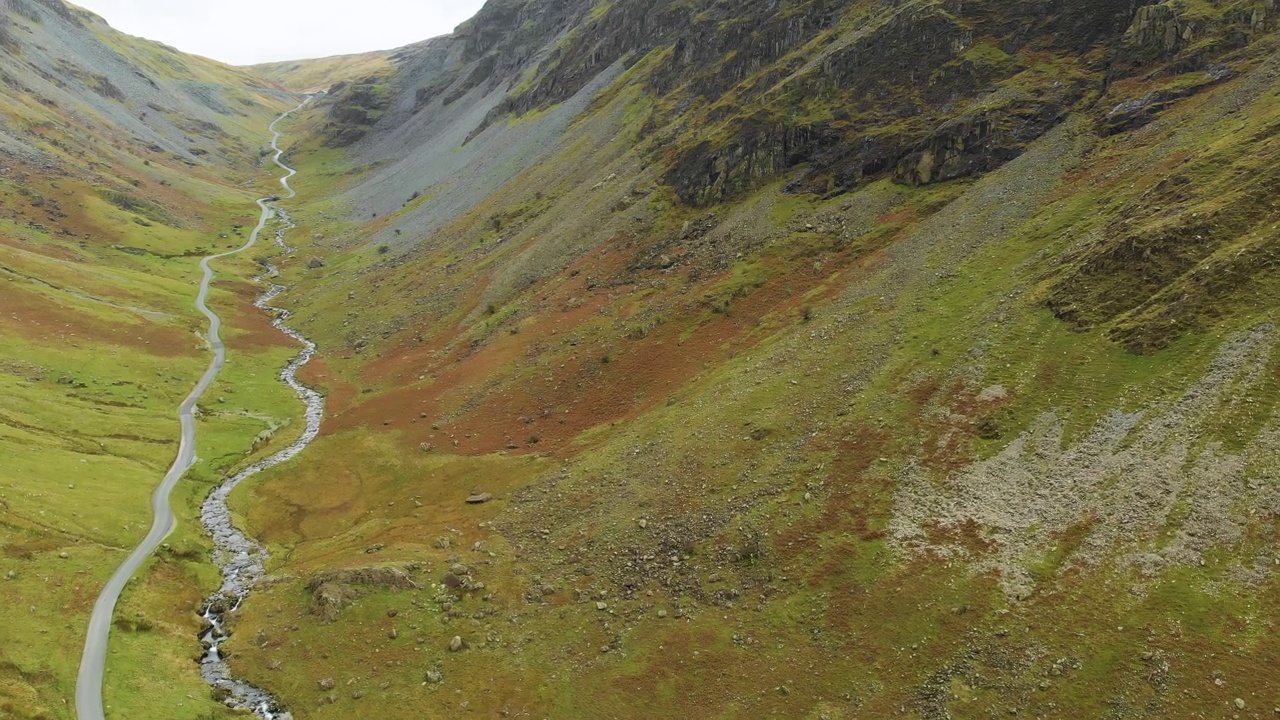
242	559
93	659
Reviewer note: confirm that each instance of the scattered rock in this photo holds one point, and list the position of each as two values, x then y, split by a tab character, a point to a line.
602	606
334	590
1239	703
479	499
662	613
456	644
376	548
328	684
316	263
643	523
392	613
64	555
392	634
435	677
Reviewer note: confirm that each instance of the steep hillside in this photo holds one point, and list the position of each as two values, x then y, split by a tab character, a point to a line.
683	358
822	358
121	162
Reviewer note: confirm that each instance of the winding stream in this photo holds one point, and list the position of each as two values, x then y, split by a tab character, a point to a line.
240	558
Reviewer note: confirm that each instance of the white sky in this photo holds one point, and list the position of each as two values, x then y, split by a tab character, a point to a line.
243	32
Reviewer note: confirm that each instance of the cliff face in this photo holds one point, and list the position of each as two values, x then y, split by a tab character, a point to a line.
821	358
853	91
484	53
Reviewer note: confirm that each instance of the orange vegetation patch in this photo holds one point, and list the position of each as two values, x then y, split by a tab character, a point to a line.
38	316
857	504
53	251
898	218
250	326
339	394
567	364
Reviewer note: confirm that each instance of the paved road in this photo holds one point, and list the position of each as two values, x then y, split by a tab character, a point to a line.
89	682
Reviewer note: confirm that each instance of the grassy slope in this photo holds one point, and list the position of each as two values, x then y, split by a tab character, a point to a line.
759	403
322	73
101	345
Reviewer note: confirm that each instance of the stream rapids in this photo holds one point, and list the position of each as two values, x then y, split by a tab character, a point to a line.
241	558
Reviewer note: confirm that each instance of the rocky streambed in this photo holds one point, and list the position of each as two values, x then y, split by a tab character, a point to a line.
241	558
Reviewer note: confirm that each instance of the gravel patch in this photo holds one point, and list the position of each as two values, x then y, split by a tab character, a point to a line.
1142	481
430	154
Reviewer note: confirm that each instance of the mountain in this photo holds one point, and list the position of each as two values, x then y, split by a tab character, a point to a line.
810	358
824	359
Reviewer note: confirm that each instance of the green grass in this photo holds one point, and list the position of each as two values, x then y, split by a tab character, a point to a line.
910	323
98	352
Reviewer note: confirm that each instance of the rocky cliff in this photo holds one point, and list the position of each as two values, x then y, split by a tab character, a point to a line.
921	91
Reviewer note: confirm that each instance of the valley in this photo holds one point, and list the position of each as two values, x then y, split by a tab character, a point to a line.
213	514
108	205
816	359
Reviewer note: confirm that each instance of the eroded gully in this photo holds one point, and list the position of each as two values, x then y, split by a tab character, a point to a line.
240	558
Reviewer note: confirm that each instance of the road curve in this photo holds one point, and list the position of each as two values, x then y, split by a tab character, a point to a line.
93	660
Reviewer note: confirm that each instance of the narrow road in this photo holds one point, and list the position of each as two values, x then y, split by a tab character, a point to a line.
93	660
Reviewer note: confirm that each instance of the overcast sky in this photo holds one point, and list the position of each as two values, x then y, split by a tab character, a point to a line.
252	31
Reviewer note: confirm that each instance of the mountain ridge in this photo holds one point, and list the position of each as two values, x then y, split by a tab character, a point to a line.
760	298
